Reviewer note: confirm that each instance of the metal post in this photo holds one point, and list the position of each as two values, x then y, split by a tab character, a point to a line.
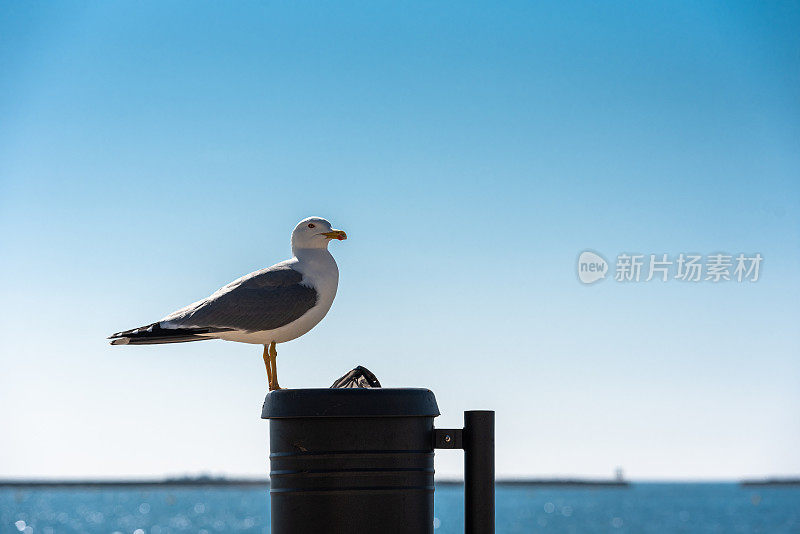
479	472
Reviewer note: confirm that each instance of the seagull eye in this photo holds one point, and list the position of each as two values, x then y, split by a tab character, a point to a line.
311	225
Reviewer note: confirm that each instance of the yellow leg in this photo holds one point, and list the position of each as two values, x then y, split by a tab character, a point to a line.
268	365
273	355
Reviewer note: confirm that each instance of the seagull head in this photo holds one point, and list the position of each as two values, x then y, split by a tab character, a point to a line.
315	232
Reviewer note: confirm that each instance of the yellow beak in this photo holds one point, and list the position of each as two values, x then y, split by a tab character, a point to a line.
335	234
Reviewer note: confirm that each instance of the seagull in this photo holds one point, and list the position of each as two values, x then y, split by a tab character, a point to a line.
266	307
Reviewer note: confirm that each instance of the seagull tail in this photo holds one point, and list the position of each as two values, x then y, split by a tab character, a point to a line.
154	334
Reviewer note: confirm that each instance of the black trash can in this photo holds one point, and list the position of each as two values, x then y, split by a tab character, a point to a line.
351	460
361	461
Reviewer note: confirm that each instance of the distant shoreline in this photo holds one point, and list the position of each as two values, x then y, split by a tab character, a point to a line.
179	482
264	482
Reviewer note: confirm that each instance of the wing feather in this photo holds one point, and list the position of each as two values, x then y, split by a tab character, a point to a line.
263	300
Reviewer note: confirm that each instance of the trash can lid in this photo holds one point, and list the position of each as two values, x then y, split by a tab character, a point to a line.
351	402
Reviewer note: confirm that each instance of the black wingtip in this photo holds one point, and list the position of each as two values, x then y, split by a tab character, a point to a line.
154	334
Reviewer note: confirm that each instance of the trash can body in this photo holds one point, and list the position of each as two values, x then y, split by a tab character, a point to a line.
351	460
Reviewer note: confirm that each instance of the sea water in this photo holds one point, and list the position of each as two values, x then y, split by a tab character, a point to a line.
641	507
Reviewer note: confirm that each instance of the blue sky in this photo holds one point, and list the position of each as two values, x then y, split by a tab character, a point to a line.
152	152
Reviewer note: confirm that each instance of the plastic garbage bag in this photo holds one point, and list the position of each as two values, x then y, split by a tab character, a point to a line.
360	377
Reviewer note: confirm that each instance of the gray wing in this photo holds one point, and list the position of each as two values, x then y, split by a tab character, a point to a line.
263	300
